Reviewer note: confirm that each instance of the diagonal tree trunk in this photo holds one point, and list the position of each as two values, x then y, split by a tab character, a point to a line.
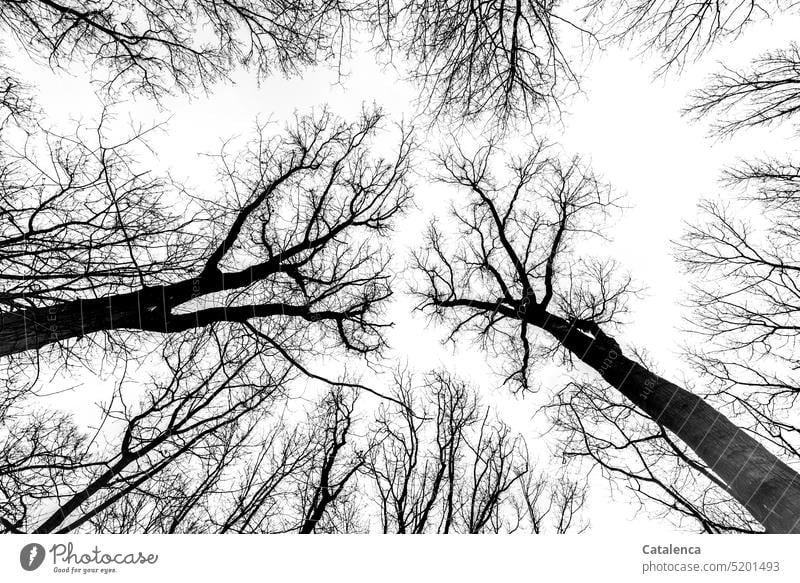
35	328
147	309
767	487
516	237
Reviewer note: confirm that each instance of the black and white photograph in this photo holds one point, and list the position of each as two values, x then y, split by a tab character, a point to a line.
521	269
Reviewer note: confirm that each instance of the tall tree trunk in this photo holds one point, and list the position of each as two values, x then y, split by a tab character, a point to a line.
144	309
37	327
767	487
148	309
310	523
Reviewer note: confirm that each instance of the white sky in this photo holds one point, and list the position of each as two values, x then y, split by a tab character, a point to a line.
627	124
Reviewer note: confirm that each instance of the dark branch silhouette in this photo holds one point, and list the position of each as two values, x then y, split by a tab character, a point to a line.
598	425
680	30
157	47
498	58
88	245
766	93
746	298
442	464
515	269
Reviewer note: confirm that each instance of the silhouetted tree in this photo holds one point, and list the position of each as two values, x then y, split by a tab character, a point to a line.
498	58
680	30
215	450
516	268
765	93
198	412
597	424
230	297
746	300
90	244
156	47
300	478
441	463
323	492
420	443
281	266
498	461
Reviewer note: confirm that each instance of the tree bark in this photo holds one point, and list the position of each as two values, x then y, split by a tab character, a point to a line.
767	487
144	309
147	309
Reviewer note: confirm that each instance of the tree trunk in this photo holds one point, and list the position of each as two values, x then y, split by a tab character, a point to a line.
310	523
148	309
767	487
145	309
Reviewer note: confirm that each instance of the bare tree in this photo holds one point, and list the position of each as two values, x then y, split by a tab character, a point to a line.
499	58
298	479
767	92
38	450
258	499
442	463
88	243
744	289
629	448
212	450
516	269
680	30
763	93
552	504
418	449
281	266
746	299
208	451
213	387
741	252
498	462
15	98
234	294
155	47
325	491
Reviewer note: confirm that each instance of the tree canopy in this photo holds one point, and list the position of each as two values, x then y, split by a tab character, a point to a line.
254	385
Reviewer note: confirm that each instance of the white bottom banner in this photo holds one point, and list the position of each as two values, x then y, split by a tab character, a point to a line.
389	558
